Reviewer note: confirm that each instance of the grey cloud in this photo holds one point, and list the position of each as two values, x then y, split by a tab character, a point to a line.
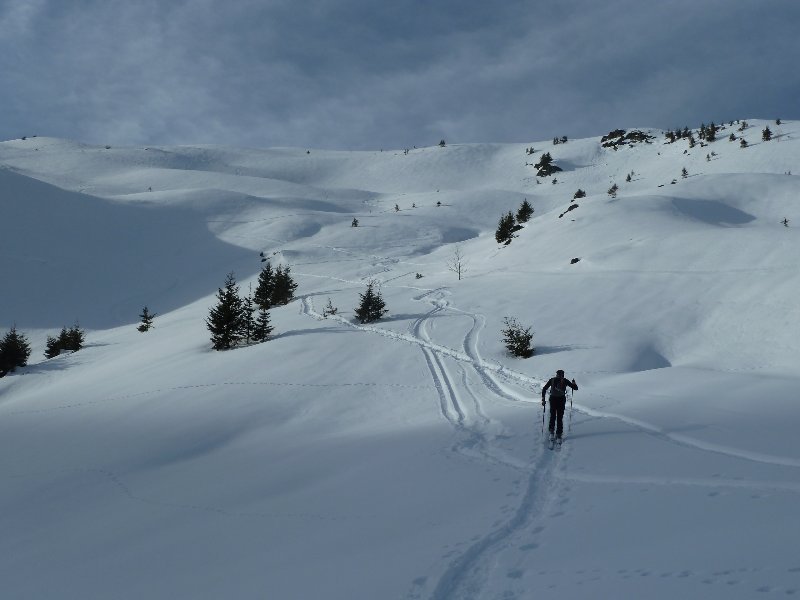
361	74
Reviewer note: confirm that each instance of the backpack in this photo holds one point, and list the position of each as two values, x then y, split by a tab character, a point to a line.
556	392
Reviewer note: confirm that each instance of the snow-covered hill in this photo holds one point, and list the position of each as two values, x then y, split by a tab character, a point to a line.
404	459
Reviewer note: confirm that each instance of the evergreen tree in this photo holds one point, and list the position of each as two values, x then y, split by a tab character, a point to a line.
354	223
225	319
612	191
248	319
265	287
74	338
579	194
53	347
372	306
283	292
14	351
743	143
147	320
263	328
524	212
684	173
505	229
766	134
711	132
63	339
545	160
330	309
517	339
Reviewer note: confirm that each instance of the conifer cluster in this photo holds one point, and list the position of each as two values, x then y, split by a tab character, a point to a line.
237	320
69	340
14	351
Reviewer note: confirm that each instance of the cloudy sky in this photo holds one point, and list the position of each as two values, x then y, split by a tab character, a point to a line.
364	74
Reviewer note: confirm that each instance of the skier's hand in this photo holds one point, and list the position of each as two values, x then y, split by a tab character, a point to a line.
573	381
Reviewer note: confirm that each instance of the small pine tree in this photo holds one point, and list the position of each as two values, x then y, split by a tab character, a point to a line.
248	319
63	339
329	309
53	347
711	132
225	319
354	223
612	191
372	306
732	137
283	292
14	351
505	229
777	121
517	339
743	143
442	143
766	134
147	320
265	287
396	208
684	173
263	328
525	212
75	338
579	194
545	166
628	178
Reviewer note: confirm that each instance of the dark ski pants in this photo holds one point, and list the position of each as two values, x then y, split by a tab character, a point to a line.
557	406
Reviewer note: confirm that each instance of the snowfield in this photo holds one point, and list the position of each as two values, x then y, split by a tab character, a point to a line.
404	459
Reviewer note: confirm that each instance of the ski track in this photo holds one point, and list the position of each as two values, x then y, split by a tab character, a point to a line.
466	576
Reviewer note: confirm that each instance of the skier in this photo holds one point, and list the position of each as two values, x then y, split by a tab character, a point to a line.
558	401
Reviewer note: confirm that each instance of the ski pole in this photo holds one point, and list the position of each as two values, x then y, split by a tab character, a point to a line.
571	394
542	418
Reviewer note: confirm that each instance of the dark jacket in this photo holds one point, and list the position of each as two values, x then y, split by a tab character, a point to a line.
559	387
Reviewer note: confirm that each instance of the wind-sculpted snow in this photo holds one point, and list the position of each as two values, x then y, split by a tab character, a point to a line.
713	213
404	458
81	258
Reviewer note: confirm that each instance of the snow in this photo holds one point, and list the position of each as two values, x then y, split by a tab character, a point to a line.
404	458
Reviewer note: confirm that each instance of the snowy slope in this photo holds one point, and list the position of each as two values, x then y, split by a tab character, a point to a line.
403	459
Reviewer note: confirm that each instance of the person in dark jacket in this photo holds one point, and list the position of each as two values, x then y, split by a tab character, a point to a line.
558	401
